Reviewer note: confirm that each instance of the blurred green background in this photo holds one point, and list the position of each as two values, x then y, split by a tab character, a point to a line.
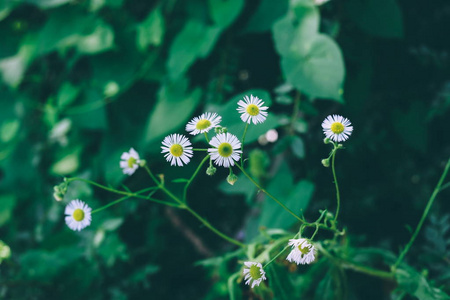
84	80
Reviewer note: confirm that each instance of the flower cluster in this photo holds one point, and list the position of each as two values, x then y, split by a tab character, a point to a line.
225	147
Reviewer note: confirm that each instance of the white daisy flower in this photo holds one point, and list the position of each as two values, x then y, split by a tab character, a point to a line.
254	273
302	251
203	123
178	149
226	149
130	161
78	215
252	110
337	128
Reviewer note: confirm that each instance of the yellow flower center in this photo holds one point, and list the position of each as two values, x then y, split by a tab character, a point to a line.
203	124
176	150
255	273
305	250
225	150
78	214
252	110
131	162
337	127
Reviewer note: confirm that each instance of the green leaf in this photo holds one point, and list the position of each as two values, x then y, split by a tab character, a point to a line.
100	40
7	204
194	41
233	287
382	18
267	12
295	197
281	283
224	12
151	31
67	94
294	33
68	163
311	62
46	3
180	180
318	73
174	107
415	284
298	147
9	129
65	27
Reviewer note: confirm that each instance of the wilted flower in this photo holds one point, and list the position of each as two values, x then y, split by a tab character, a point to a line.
302	251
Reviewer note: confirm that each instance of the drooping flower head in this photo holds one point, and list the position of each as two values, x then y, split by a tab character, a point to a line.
203	123
254	273
302	251
78	215
226	149
252	110
178	149
337	128
130	162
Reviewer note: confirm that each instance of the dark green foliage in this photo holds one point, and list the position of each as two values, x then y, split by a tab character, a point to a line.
82	81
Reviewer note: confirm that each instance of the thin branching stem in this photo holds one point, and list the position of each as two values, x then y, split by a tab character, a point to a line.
436	191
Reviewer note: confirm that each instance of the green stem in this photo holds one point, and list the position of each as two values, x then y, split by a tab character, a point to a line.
338	197
127	194
198	149
270	195
276	256
183	205
424	215
126	197
109	204
243	141
192	177
206	136
349	265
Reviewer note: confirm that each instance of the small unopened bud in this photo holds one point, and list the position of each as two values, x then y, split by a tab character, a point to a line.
58	196
142	162
220	129
340	146
326	141
326	162
211	171
231	179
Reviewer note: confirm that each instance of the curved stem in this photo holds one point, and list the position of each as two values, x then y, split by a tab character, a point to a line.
338	197
127	194
270	195
183	205
349	265
192	177
206	136
424	215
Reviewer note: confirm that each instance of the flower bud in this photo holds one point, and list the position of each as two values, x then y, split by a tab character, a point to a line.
326	162
220	129
142	162
231	179
326	141
211	171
